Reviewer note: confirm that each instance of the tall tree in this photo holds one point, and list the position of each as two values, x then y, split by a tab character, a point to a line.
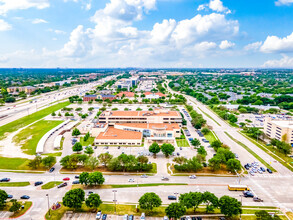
191	200
149	201
77	147
74	198
96	178
211	201
105	158
75	132
92	163
154	148
167	149
89	151
175	210
3	197
93	201
15	206
230	206
49	161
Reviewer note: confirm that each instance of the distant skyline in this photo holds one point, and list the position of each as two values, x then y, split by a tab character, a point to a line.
146	33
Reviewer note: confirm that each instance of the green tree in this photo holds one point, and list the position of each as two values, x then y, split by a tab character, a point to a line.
75	132
36	162
175	210
216	145
89	151
195	142
233	164
15	206
74	198
49	161
230	206
205	130
93	201
215	163
142	159
167	149
53	114
77	147
191	200
202	151
210	200
149	201
154	148
96	178
3	197
92	163
84	178
105	158
264	215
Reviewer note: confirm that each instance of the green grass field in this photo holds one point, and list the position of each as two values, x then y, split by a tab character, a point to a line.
22	122
13	163
210	137
90	141
29	137
14	184
26	205
51	185
182	143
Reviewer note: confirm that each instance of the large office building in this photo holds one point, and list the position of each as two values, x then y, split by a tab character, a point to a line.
279	129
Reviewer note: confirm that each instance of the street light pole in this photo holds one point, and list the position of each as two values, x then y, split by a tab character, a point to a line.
49	205
114	191
176	193
241	204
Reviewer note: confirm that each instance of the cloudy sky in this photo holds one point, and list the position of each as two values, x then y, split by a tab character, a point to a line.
146	33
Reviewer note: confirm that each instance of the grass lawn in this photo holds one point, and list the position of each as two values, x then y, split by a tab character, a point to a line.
14	163
211	137
29	137
57	154
89	141
283	159
14	184
182	143
22	122
251	152
26	205
51	185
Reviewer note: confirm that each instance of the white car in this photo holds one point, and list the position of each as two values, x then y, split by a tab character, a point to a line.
99	215
131	180
192	177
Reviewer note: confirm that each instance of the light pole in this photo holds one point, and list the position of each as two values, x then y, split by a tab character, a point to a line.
241	204
114	191
176	193
49	205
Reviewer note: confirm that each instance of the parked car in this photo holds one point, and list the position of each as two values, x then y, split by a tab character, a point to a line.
76	177
165	178
171	197
66	179
99	215
248	194
9	196
256	199
89	192
131	180
62	185
38	183
269	170
5	180
104	217
180	148
142	217
24	197
125	217
144	176
205	140
52	170
76	182
178	154
130	217
188	218
165	218
262	169
192	177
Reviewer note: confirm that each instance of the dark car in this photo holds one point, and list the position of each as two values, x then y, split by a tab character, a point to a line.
130	217
9	196
76	177
198	218
178	154
24	197
248	194
269	170
62	185
119	147
75	182
262	169
171	197
104	217
5	180
52	170
38	183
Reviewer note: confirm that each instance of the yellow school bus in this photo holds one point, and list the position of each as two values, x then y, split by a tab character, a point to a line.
238	187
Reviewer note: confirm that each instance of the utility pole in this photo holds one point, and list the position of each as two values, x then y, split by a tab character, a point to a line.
114	191
48	205
241	204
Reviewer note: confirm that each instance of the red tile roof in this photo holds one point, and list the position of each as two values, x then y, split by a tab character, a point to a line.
113	133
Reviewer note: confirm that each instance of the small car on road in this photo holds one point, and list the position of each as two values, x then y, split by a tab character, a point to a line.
131	180
165	178
62	185
257	199
38	183
99	215
52	170
192	177
5	180
171	197
144	176
24	197
66	179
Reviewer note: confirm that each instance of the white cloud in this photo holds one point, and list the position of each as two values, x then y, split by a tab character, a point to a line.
253	46
4	26
9	5
162	31
283	2
215	5
278	45
284	62
226	45
204	46
39	21
3	59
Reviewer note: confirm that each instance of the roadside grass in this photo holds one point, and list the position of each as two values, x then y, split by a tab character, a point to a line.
14	163
14	184
290	215
89	141
133	209
251	152
62	142
24	121
209	116
51	185
182	143
283	159
26	205
57	154
29	137
211	136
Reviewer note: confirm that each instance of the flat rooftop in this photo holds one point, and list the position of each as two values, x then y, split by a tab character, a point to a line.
167	126
113	133
142	113
283	124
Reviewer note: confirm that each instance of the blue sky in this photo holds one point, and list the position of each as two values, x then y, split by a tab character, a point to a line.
146	33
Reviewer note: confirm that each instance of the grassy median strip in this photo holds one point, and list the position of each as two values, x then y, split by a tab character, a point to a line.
284	160
147	185
251	152
209	116
51	185
14	184
211	136
22	122
29	137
